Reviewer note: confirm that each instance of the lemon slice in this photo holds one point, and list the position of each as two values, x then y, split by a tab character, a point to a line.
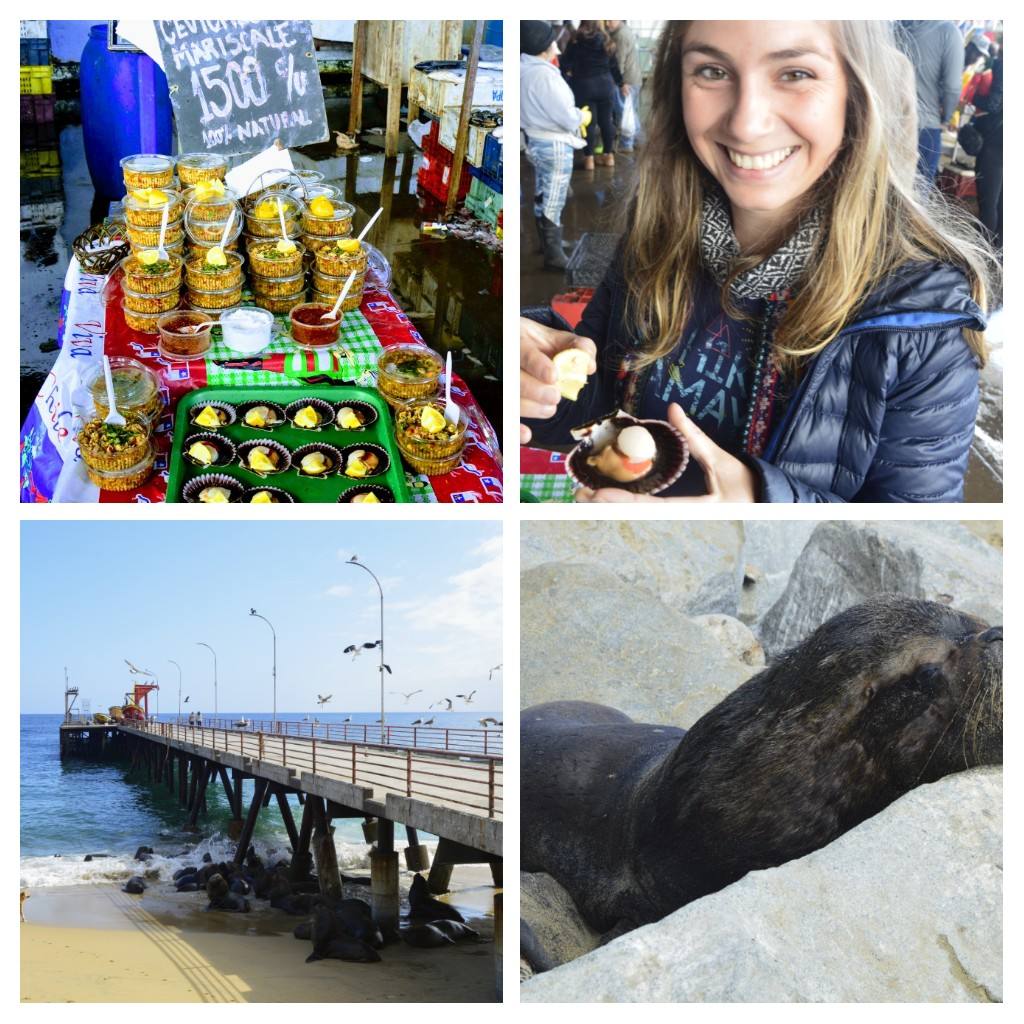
366	499
307	417
571	365
215	495
257	416
205	189
265	210
348	245
203	453
259	460
321	207
208	417
216	257
348	419
431	420
261	498
356	467
286	246
148	257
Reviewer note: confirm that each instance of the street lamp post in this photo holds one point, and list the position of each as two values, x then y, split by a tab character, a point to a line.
252	611
199	643
178	667
354	560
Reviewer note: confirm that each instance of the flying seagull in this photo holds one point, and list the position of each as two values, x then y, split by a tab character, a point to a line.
443	700
321	700
496	668
356	649
185	701
467	697
388	667
407	696
488	721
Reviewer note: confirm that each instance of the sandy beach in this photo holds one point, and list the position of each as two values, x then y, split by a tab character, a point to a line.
94	943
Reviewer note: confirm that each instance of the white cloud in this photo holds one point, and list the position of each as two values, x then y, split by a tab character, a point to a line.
468	605
339	590
490	547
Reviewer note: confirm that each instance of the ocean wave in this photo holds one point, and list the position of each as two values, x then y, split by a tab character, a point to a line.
73	869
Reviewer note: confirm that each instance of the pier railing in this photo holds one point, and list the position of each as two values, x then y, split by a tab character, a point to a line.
424	737
470	782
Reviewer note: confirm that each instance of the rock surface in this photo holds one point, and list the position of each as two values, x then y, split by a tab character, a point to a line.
735	637
551	929
695	567
847	562
905	907
586	636
770	550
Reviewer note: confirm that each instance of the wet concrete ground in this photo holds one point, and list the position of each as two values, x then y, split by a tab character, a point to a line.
594	206
450	287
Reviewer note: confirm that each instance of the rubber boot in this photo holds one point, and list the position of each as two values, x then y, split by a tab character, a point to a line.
554	256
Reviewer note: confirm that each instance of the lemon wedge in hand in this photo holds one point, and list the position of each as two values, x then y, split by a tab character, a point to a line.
431	420
571	365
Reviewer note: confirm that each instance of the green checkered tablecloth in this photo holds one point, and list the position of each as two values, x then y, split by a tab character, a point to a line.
357	362
547	486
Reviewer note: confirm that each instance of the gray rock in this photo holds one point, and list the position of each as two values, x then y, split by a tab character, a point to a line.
770	550
585	635
846	562
551	929
907	907
695	567
735	637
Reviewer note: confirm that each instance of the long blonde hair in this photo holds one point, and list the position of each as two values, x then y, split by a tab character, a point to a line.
874	220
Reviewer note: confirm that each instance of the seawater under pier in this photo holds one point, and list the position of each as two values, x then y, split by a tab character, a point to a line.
446	782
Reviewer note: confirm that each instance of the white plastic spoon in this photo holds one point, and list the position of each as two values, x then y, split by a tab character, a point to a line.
160	250
333	315
280	214
223	238
370	223
113	416
451	410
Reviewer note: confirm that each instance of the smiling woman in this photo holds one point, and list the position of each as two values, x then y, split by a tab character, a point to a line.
787	295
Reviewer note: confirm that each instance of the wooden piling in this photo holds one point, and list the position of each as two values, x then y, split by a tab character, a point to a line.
324	853
250	821
286	815
301	858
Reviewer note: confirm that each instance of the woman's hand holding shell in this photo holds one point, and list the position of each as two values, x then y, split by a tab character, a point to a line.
538	378
727	478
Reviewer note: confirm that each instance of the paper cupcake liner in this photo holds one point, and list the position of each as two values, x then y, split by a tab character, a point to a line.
283	497
325	409
670	459
382	455
329	451
284	461
357	407
190	492
383	493
196	409
226	452
279	410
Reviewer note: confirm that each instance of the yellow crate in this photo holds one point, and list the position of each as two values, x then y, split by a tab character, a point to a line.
36	81
44	163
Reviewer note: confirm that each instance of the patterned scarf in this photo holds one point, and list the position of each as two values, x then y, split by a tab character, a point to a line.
777	274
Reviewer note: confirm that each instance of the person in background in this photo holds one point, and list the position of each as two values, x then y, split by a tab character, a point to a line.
632	80
988	165
935	49
590	65
552	125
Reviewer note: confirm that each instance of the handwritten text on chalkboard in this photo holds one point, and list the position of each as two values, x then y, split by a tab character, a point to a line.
249	82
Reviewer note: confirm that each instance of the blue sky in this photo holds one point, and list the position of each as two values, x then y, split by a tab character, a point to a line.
96	593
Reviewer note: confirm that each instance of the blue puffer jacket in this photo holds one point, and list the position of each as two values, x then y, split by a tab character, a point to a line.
884	413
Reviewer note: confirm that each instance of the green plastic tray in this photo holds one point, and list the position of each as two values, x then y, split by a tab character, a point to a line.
303	489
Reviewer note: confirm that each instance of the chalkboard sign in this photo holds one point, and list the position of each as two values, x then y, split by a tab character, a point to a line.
237	86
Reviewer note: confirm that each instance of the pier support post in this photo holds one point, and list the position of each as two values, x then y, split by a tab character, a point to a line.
440	877
199	801
324	853
289	821
417	856
384	897
497	943
250	820
182	780
302	860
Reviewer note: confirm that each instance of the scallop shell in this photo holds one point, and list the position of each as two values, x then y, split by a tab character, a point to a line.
198	407
283	497
384	459
325	409
383	493
244	408
363	407
328	449
225	450
284	462
670	460
190	492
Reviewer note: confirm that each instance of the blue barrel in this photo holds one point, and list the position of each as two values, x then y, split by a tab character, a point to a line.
126	109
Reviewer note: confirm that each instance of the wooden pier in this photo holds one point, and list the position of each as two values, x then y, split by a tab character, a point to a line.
455	794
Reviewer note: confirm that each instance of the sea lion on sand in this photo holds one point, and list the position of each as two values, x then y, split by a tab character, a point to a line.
636	820
355	917
216	887
344	947
424	907
455	930
135	885
426	936
303	930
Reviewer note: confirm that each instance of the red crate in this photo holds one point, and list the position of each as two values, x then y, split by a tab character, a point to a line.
571	305
436	168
